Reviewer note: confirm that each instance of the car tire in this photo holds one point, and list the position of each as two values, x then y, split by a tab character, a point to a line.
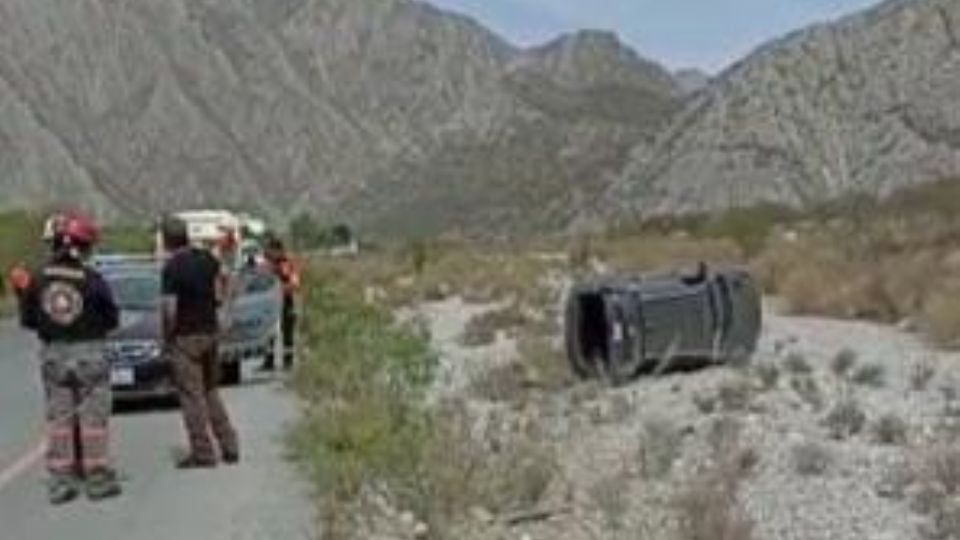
231	372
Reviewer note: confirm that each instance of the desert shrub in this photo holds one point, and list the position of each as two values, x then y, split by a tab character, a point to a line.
708	506
921	373
845	419
502	383
941	315
809	391
797	364
735	394
843	362
891	429
768	374
873	375
658	449
609	495
811	459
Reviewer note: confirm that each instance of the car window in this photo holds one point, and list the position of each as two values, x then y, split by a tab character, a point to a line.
256	282
135	291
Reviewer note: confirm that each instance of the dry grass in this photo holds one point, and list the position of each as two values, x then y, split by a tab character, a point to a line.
845	420
808	390
708	507
811	459
658	448
768	374
609	495
797	364
872	375
921	373
891	429
843	362
657	252
940	316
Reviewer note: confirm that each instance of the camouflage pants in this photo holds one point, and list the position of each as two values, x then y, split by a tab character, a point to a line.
76	381
196	371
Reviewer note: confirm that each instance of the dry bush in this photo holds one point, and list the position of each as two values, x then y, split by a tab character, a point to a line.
921	373
659	447
768	374
891	429
809	391
649	252
708	507
941	315
609	495
797	364
484	328
735	394
843	362
545	364
811	459
845	420
503	383
872	375
461	472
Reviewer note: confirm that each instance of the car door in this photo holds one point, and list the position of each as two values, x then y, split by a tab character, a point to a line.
255	310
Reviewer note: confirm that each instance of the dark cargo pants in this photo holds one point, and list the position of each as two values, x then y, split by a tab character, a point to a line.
196	373
76	381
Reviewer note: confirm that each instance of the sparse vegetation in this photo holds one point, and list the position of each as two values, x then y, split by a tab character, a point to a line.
768	374
872	375
811	459
921	373
658	447
609	494
809	391
891	429
708	507
797	364
735	394
843	362
845	420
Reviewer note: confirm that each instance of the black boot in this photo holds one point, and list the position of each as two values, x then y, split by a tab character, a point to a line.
61	489
102	484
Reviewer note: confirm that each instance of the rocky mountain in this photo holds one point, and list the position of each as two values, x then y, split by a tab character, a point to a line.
386	113
691	80
867	104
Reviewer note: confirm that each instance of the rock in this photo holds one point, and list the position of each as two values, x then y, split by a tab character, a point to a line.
421	531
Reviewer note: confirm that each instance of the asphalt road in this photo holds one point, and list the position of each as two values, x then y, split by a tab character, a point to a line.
261	498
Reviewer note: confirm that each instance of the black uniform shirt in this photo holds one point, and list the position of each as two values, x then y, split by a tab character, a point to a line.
68	302
190	276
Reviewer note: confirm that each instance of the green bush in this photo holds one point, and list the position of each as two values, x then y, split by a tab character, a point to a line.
20	232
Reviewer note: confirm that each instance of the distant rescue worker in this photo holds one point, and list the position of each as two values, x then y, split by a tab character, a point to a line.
279	262
71	308
192	293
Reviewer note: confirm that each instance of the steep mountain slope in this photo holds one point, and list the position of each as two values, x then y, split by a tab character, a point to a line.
867	103
362	108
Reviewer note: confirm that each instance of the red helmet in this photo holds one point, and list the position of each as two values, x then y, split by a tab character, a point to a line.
78	230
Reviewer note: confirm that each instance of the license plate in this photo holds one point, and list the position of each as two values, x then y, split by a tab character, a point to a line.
122	377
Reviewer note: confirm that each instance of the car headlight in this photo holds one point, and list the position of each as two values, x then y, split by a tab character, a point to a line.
133	351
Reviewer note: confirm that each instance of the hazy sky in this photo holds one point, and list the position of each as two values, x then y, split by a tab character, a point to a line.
680	33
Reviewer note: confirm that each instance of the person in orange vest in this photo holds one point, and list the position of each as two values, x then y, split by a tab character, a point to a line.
279	262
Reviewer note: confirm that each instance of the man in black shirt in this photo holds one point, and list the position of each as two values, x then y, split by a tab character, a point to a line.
191	295
71	309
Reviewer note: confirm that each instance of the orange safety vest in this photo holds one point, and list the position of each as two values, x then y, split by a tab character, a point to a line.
19	279
288	273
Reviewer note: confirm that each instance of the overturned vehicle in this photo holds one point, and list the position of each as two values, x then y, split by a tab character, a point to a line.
617	328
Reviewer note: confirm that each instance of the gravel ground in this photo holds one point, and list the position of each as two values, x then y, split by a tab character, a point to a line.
599	433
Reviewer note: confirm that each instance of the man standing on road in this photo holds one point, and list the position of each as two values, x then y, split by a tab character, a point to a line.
285	269
191	296
71	309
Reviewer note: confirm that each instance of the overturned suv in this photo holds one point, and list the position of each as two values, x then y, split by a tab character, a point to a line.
617	328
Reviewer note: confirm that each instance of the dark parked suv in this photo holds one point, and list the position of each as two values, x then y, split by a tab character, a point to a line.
617	327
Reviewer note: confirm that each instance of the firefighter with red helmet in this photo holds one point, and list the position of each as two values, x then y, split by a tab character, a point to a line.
278	261
71	308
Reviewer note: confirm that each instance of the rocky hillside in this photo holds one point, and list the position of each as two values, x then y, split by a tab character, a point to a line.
388	113
867	103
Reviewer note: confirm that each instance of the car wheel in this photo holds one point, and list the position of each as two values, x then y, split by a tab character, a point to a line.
231	374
